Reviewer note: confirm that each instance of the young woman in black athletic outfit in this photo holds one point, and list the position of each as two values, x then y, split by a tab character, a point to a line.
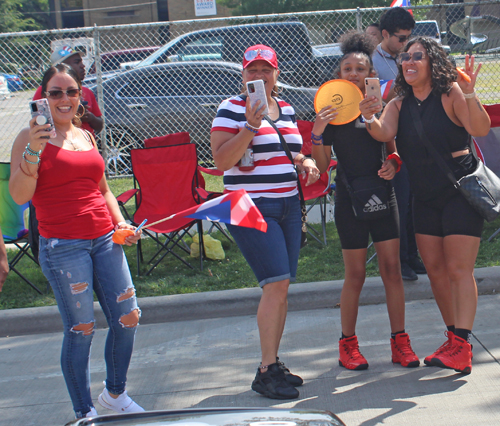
447	228
359	155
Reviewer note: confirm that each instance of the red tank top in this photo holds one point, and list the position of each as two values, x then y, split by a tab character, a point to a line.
69	204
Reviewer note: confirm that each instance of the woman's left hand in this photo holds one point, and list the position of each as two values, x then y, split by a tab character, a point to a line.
388	169
309	167
131	239
469	70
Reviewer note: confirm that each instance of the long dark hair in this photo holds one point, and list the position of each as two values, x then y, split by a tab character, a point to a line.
443	72
356	42
62	69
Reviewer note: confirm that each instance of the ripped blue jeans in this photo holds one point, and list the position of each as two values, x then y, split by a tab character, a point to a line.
76	269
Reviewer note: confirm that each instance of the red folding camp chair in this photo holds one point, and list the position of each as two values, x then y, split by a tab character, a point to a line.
319	191
167	177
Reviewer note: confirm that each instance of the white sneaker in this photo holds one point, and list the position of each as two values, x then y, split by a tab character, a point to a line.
91	413
122	404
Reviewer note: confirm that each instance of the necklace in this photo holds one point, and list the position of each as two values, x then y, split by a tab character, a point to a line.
71	141
387	63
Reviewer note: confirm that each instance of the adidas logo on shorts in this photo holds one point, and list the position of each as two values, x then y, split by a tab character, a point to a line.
374	204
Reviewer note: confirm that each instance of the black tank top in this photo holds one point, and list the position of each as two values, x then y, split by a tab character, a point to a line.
357	152
428	181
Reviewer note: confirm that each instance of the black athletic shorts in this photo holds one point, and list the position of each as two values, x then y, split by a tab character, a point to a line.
448	215
354	233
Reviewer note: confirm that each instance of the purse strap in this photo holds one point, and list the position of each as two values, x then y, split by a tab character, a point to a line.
432	150
286	148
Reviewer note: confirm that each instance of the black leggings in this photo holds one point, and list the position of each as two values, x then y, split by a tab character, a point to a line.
448	215
354	233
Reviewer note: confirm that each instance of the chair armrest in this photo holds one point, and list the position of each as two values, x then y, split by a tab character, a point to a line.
213	172
205	195
126	196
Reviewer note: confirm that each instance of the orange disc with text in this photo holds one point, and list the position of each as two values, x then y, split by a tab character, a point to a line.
341	94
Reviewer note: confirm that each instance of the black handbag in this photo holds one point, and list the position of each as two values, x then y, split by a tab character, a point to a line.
303	237
370	195
481	188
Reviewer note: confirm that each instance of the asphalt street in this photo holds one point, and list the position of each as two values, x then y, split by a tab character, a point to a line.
210	360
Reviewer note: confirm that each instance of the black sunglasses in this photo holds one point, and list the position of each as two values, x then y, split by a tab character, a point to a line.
58	94
406	56
402	38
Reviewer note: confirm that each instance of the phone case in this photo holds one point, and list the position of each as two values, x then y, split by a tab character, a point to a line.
256	91
373	88
40	108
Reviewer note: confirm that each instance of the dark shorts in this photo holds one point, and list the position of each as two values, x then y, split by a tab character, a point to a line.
272	255
354	233
449	215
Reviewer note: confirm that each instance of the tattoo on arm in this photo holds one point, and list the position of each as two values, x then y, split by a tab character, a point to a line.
479	105
369	126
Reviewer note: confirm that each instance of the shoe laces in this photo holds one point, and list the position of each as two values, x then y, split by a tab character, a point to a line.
405	348
282	366
353	351
444	346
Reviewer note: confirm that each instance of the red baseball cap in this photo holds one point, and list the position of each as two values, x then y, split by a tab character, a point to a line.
260	52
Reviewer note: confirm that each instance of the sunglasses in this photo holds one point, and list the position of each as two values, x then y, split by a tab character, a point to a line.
263	53
401	38
405	57
58	94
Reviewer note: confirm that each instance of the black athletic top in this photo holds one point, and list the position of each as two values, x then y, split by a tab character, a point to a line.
427	180
357	152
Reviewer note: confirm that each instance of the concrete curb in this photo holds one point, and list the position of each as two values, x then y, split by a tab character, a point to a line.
229	303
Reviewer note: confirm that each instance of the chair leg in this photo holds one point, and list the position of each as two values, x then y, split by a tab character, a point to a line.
23	250
202	245
494	235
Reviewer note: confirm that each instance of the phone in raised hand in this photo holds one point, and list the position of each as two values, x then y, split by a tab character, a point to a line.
41	110
257	92
372	86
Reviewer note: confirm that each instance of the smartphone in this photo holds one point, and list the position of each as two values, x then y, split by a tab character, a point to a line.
257	92
372	86
41	110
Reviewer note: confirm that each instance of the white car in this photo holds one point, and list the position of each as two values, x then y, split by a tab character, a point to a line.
4	89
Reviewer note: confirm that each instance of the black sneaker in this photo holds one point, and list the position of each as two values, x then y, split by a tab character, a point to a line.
293	379
272	384
417	265
408	273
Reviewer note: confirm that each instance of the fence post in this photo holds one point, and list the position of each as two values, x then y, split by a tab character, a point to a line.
100	97
359	24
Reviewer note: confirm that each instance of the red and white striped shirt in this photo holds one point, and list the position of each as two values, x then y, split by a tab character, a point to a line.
273	175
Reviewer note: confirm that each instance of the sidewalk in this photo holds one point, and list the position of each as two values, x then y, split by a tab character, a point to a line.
211	363
228	303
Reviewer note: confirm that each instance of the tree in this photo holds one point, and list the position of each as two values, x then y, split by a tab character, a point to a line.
39	11
11	19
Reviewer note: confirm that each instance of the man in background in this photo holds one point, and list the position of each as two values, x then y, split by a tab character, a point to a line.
92	118
396	26
374	31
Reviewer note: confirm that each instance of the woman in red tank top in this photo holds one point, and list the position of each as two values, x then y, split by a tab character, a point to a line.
59	168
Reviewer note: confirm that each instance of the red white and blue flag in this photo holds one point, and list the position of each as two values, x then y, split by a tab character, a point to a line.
402	3
235	208
385	87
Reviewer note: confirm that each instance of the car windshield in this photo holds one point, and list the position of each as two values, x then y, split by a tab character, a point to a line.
150	60
425	29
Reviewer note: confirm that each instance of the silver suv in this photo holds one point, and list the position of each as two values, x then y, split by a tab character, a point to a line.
429	29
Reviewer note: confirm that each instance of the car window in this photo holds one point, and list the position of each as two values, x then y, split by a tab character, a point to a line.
428	29
188	82
205	48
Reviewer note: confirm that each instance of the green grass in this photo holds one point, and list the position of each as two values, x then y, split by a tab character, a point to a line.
316	263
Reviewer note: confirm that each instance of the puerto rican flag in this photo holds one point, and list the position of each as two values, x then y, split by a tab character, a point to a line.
235	208
402	3
385	87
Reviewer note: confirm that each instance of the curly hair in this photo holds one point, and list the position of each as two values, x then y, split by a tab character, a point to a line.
443	72
356	42
62	69
396	18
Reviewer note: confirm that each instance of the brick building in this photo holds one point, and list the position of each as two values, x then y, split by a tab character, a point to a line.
86	13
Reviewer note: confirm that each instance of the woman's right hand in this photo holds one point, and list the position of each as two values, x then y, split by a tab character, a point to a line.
323	117
369	107
38	134
254	115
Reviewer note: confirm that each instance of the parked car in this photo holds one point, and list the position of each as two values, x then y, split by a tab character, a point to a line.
4	88
430	29
14	82
173	97
111	61
300	63
218	417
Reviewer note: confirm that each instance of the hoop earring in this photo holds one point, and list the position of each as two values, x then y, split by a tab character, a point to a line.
78	114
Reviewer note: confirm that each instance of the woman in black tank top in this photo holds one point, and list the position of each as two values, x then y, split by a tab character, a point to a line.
447	228
360	156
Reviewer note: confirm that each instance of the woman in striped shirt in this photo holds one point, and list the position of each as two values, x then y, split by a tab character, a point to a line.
270	179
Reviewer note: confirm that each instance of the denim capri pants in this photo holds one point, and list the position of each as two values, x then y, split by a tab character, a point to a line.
272	255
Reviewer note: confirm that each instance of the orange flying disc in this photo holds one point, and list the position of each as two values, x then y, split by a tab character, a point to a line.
341	94
120	235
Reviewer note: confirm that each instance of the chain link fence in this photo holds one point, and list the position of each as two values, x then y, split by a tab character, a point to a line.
189	67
